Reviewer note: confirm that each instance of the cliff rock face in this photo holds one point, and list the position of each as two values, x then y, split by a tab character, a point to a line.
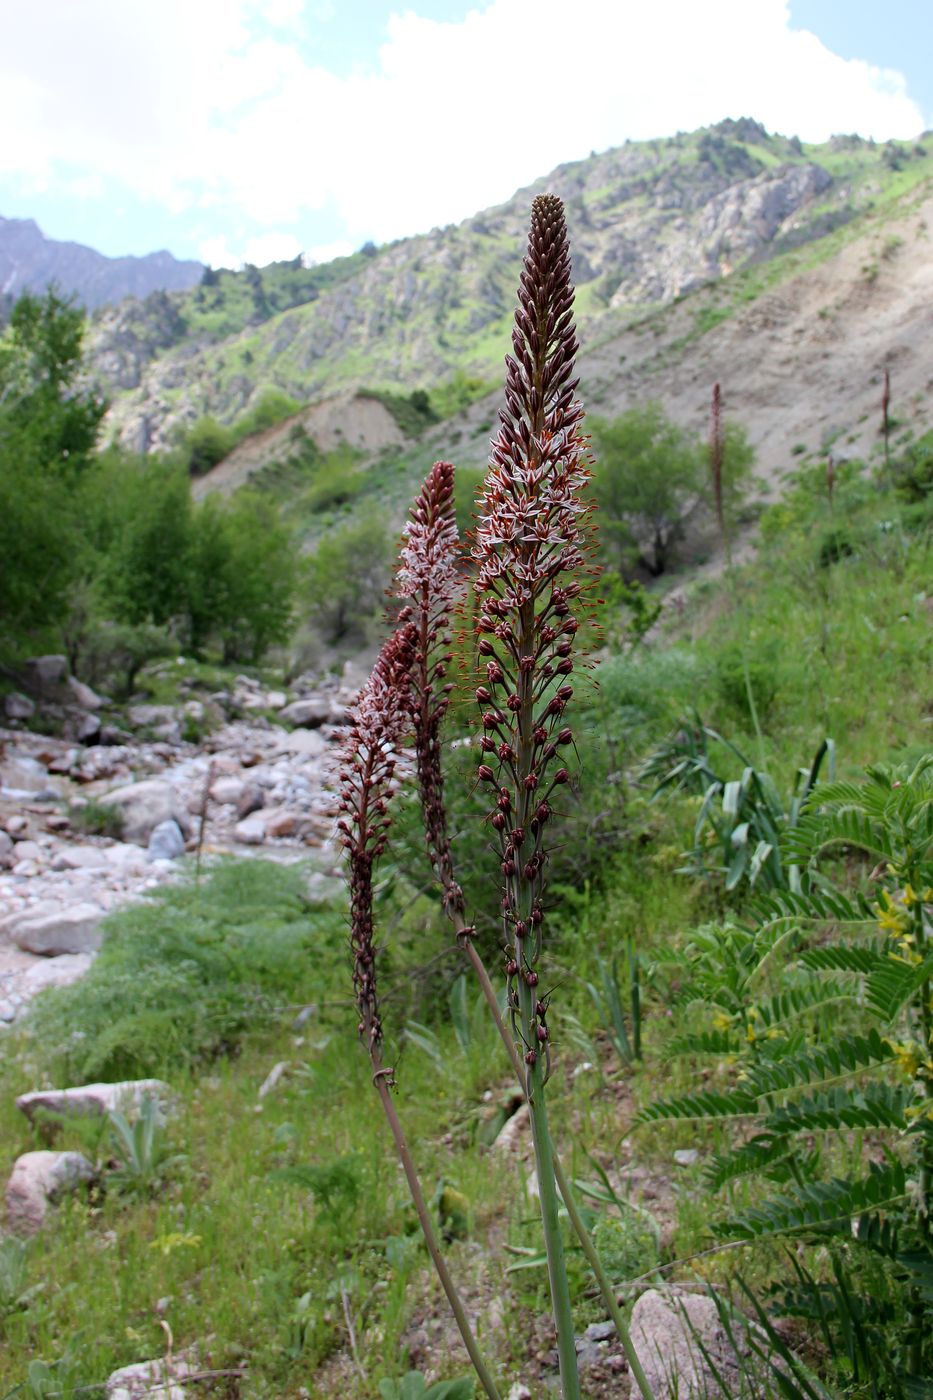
29	262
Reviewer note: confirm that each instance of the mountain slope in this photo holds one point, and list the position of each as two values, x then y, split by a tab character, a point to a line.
651	222
29	262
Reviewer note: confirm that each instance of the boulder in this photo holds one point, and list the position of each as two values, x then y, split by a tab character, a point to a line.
83	696
166	842
81	858
25	777
38	1179
251	832
46	673
671	1332
227	791
144	806
280	824
49	930
161	720
308	742
90	1100
87	729
250	800
27	850
18	706
309	713
153	1380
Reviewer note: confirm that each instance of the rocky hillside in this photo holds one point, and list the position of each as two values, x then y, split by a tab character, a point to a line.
651	222
29	262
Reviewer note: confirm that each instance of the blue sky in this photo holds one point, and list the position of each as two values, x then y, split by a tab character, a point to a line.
234	129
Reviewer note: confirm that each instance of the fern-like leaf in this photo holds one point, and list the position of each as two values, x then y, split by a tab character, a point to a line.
848	827
878	1106
815	1205
848	1055
704	1104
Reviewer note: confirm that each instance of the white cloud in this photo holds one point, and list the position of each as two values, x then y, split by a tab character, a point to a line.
267	248
195	106
326	252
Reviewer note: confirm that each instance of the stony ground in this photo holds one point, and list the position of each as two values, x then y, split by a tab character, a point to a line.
254	784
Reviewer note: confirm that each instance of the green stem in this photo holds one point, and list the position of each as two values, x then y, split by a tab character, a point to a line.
380	1077
563	1185
554	1245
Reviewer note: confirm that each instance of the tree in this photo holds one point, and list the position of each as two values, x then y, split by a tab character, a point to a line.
347	578
648	474
48	431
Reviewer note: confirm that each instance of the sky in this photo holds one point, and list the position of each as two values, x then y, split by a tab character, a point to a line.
250	130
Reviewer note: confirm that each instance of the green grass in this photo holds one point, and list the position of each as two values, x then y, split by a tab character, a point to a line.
281	1203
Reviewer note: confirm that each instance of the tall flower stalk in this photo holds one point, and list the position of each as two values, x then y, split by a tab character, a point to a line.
381	720
530	549
428	581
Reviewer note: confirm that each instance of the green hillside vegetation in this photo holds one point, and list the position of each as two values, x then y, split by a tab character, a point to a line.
261	1235
422	310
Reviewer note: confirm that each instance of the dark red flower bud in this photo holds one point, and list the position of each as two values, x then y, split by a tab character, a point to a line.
487	745
531	782
565	736
542	1033
530	1057
498	820
505	800
508	867
564	667
485	773
531	978
511	967
537	914
561	776
483	696
518	836
514	703
521	928
486	647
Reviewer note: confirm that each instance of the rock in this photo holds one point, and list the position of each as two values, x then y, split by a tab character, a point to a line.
27	868
24	777
251	832
670	1332
89	1100
600	1331
310	713
588	1353
227	791
280	824
686	1156
46	672
83	695
144	806
57	821
275	700
519	1392
18	706
27	850
87	729
82	858
17	825
49	930
512	1130
166	842
39	1178
153	1380
250	800
272	1078
55	972
310	742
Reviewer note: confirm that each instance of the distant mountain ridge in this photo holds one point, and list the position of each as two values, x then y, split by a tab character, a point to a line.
29	262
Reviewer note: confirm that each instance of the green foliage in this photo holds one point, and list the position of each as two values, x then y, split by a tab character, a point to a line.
181	977
144	1159
15	1291
206	443
347	577
413	1386
608	998
648	473
742	821
412	412
801	1077
92	817
48	429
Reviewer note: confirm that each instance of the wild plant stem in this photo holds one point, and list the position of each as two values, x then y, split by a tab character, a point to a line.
553	1243
563	1185
380	1078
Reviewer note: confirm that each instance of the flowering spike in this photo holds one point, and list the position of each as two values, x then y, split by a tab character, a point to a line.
428	581
369	753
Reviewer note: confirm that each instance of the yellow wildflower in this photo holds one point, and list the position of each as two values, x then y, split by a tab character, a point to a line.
722	1022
